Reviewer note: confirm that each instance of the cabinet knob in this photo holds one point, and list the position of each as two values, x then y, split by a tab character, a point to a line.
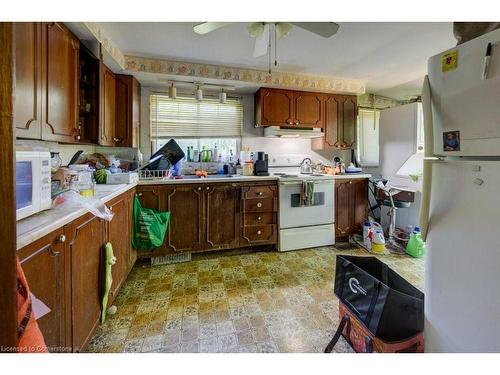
297	122
350	182
259	218
208	188
259	204
139	194
259	193
61	238
77	137
199	188
116	139
259	232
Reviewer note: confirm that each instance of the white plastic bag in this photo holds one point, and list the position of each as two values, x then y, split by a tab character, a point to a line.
73	200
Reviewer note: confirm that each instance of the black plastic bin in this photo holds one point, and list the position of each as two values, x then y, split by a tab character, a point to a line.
389	306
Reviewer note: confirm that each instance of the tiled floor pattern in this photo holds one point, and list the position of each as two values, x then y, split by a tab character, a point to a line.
256	302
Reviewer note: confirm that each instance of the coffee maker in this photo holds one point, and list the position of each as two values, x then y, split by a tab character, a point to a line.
261	164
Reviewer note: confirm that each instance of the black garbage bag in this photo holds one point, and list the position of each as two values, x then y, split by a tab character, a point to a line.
389	306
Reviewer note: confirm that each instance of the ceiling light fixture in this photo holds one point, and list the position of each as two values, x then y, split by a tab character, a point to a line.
172	91
222	96
199	93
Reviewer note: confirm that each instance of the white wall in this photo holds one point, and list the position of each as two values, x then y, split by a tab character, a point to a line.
251	137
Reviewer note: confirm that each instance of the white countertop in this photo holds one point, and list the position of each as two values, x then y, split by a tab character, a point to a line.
36	226
239	178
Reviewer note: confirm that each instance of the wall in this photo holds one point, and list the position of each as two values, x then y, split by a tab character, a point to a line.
67	151
251	137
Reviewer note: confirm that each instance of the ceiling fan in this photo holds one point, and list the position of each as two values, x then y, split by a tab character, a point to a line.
262	32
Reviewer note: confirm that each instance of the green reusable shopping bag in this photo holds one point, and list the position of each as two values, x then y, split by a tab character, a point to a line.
149	227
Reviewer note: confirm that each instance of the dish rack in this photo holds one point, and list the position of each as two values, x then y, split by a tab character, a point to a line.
156	175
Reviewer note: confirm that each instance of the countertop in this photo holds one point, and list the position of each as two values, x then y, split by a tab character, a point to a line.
239	178
36	226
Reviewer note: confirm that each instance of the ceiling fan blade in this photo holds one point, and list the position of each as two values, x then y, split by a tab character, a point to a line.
206	27
262	42
324	29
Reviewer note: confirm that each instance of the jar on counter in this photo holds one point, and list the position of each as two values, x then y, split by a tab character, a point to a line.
248	168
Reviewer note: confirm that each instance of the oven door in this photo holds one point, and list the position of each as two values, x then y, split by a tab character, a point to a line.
293	214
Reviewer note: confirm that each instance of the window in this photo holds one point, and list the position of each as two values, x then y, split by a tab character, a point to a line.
368	137
188	117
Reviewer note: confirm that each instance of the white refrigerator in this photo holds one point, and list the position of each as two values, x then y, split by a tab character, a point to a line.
460	210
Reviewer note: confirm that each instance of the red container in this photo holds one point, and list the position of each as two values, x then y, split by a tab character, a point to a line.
363	341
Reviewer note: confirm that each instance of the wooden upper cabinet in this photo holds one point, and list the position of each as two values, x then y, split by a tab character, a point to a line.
287	108
309	110
108	116
43	263
274	107
28	74
341	113
60	56
128	111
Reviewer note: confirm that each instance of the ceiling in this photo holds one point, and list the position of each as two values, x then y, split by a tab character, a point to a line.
390	57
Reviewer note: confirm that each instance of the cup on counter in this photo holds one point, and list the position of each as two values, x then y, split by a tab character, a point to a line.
248	168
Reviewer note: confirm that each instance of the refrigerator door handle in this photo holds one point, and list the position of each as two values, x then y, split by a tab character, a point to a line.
429	156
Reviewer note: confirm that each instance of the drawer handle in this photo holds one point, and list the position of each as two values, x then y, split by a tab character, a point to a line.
208	187
61	238
259	204
259	193
259	218
199	188
259	232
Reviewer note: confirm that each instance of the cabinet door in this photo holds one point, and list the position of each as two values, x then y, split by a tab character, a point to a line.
27	89
127	111
43	263
342	208
309	110
222	216
86	240
60	52
185	203
359	205
118	234
350	113
277	107
154	197
108	97
333	121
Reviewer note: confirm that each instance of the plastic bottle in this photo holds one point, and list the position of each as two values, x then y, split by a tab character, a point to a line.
366	234
416	245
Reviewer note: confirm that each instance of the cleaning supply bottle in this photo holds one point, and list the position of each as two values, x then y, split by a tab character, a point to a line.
366	234
378	242
416	245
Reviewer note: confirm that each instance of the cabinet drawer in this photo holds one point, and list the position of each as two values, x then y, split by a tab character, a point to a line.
259	205
259	218
264	191
257	234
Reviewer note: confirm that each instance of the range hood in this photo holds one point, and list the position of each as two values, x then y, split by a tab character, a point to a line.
276	131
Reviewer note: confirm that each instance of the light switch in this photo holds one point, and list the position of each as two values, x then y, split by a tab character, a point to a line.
476	168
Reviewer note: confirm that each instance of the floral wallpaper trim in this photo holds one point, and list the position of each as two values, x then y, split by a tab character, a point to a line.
279	79
377	101
106	43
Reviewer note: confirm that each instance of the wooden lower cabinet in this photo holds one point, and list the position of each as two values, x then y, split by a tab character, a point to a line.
86	247
351	206
118	233
209	216
45	265
222	217
64	270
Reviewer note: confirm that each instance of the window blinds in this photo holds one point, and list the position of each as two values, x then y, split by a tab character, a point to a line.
188	117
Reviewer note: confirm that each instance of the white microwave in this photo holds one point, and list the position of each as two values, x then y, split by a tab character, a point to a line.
33	183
